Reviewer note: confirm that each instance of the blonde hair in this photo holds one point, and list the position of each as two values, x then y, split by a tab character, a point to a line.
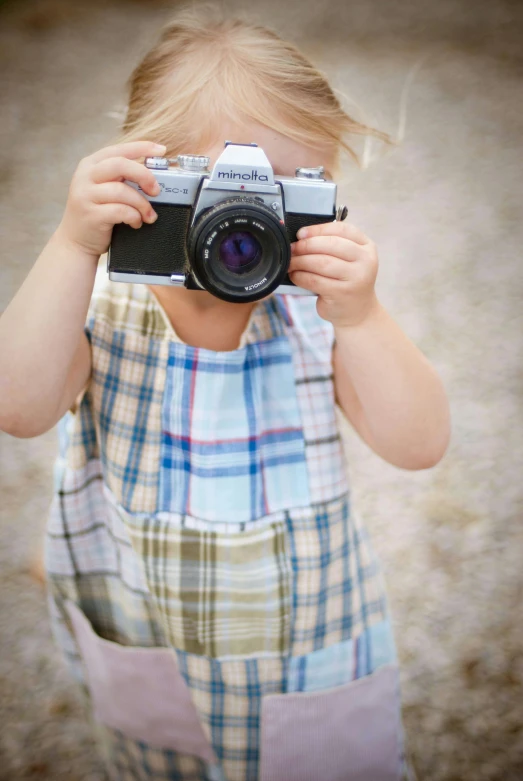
206	68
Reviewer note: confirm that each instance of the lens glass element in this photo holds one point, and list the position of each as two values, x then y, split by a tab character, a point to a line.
239	252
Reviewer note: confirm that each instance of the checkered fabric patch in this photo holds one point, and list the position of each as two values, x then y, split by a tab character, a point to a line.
232	441
132	760
227	695
127	307
311	340
88	545
219	594
339	664
77	439
224	437
337	584
57	593
127	388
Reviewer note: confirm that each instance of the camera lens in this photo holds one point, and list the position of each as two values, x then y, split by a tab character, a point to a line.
239	249
239	252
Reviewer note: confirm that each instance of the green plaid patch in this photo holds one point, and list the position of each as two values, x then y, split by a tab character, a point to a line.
129	307
219	594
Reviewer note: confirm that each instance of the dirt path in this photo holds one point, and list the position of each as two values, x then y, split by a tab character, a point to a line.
445	212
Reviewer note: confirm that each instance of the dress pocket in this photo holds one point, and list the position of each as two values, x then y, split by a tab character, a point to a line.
347	733
140	692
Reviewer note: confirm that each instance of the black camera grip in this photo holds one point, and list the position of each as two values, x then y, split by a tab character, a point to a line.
293	222
157	249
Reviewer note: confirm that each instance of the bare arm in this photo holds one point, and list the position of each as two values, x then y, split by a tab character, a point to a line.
45	358
390	392
387	388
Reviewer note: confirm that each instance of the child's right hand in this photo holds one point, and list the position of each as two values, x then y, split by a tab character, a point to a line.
99	198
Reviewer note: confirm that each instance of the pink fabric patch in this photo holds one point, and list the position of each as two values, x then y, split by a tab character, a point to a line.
140	692
348	733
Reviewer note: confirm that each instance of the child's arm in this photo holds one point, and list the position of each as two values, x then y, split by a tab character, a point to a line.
389	391
404	416
45	357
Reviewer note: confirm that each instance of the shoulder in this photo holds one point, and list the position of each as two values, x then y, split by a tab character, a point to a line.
121	306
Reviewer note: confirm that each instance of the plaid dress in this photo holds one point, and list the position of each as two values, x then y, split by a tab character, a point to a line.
210	584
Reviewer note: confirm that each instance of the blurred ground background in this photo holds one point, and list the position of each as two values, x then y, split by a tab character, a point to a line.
445	211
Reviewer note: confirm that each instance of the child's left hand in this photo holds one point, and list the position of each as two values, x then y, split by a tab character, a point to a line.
337	262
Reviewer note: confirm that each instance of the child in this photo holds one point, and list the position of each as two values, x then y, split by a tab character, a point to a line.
209	582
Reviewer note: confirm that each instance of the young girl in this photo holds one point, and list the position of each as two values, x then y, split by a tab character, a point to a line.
209	582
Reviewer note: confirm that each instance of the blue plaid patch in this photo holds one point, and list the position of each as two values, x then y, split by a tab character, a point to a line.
232	442
343	662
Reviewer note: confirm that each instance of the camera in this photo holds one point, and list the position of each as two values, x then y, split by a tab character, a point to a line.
227	231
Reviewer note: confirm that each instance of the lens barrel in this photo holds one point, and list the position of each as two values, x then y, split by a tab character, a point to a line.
239	250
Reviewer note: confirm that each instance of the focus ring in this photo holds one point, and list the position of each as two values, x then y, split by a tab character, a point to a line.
253	216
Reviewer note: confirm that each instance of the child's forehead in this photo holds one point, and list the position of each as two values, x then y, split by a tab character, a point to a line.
285	154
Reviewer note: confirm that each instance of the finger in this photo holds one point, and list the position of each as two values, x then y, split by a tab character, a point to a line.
114	213
337	246
132	150
324	265
344	229
321	286
118	192
120	168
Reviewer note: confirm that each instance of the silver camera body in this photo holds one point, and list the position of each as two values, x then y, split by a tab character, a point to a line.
227	231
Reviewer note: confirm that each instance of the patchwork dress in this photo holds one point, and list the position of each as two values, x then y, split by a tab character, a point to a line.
209	583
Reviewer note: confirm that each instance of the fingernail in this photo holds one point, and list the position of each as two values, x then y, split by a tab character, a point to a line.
156	189
302	233
293	248
161	147
152	217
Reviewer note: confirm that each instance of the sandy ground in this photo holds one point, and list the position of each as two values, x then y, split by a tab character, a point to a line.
445	211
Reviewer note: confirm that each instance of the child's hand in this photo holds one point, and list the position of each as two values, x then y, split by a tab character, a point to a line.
338	263
99	198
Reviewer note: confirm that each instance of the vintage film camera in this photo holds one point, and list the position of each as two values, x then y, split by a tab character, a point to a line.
227	231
